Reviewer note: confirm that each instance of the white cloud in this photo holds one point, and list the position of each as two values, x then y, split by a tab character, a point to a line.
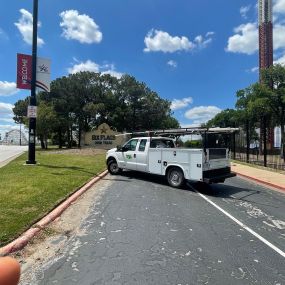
202	114
177	104
6	116
244	10
25	27
84	66
94	67
172	63
279	6
202	42
5	109
254	69
245	40
280	60
278	36
7	120
7	88
209	34
80	27
113	73
156	41
162	41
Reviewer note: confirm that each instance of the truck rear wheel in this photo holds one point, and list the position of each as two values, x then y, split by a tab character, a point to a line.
175	177
113	167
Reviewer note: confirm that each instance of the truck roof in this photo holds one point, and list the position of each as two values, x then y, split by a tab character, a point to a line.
183	132
154	138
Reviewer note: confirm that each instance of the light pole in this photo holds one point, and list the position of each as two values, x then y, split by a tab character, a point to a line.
33	101
20	133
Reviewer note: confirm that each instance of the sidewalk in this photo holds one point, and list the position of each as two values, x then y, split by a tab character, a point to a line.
269	178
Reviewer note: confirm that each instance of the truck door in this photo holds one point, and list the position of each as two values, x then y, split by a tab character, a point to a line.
129	156
141	155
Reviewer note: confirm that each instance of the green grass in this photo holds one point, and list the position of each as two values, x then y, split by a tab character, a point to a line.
27	193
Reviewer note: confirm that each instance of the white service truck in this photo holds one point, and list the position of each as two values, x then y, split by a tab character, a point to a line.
158	155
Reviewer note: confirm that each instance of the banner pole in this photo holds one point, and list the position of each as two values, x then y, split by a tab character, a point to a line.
33	101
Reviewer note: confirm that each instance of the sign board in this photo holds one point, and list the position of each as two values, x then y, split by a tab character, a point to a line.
103	137
43	74
32	111
24	72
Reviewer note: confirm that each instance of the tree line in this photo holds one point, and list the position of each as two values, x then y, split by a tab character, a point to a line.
79	102
261	105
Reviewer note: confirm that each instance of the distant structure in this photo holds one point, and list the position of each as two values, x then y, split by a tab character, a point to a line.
15	137
265	34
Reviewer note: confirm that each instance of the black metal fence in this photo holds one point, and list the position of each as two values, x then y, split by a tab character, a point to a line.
255	152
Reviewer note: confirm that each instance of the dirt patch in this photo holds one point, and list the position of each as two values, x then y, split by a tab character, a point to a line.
49	244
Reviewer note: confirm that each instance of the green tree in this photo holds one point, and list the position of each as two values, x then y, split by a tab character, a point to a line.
78	102
46	122
224	119
273	95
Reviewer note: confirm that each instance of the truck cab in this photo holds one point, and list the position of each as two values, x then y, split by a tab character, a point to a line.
133	155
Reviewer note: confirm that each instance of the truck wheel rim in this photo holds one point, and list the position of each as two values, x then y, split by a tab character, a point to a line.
114	167
175	178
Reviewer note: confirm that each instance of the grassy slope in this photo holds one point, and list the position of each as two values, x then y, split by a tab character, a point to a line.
28	192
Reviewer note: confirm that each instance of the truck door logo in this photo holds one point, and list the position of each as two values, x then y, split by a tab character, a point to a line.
128	156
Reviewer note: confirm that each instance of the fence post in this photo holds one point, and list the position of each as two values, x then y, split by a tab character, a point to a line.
247	141
264	141
234	144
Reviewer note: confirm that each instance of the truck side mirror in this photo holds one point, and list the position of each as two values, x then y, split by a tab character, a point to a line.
119	148
124	148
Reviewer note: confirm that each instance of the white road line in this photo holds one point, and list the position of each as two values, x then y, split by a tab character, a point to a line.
282	253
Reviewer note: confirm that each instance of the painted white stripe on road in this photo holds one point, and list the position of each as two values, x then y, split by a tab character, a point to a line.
282	253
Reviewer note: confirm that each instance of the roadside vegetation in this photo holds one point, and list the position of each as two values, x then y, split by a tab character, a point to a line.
81	102
259	106
27	193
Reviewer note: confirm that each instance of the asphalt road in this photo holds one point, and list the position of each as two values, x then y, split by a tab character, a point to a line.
7	152
144	232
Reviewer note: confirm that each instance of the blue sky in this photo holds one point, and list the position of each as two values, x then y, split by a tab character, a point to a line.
196	54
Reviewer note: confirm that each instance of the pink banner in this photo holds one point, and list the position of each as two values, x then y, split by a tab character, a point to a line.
24	71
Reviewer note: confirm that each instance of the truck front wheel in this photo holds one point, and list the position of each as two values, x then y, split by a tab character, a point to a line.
113	167
175	177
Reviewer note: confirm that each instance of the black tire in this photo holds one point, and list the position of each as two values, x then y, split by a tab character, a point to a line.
175	177
113	167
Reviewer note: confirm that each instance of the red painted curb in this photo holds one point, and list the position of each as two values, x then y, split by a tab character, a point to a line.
262	182
24	239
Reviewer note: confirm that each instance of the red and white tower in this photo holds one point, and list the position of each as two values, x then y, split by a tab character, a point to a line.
265	34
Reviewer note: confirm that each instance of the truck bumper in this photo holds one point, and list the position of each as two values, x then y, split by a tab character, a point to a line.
217	175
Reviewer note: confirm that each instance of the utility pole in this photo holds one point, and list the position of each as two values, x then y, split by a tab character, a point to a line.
20	133
33	101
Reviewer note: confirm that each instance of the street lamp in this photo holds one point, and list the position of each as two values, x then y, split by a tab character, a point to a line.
33	101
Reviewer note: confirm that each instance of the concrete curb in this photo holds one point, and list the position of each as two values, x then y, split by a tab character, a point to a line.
24	239
261	181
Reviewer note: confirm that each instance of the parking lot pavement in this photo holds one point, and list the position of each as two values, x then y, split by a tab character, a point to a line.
141	231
